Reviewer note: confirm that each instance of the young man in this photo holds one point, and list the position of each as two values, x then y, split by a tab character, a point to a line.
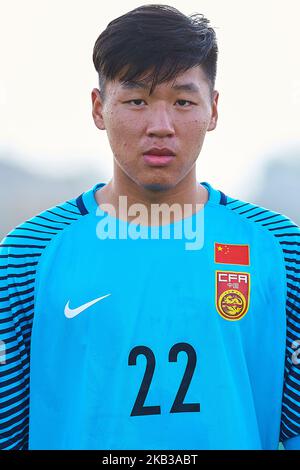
116	332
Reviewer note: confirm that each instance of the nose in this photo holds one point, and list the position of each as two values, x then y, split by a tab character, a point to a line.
160	122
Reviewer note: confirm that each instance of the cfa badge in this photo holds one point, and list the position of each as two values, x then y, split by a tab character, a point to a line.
232	294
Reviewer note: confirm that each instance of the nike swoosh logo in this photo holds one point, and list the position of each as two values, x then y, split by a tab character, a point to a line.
73	312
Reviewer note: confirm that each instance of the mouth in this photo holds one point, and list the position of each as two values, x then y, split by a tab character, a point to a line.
158	156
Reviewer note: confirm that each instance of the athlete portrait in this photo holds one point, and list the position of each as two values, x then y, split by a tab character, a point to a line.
153	311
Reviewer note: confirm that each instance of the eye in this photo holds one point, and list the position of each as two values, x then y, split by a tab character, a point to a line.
136	103
184	103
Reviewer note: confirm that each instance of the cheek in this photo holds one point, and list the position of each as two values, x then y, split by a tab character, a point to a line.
197	121
123	135
196	130
123	126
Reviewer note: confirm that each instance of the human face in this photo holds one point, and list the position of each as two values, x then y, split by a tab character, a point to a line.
171	122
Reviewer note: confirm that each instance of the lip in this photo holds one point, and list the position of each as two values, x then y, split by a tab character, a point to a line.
160	152
158	160
158	156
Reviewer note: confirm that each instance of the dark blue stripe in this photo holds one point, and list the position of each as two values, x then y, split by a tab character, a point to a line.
23	310
25	319
67	210
223	199
15	379
17	340
15	399
14	360
46	226
14	430
248	210
292	260
16	389
22	246
269	217
81	206
30	238
21	443
17	323
27	338
63	216
292	287
291	252
35	230
17	368
292	426
292	415
294	328
281	228
15	409
242	205
290	403
285	234
285	242
27	273
16	294
18	265
22	302
292	335
231	202
28	255
291	268
293	306
290	393
14	339
292	278
15	348
14	420
50	220
68	202
258	213
17	284
275	222
286	433
292	316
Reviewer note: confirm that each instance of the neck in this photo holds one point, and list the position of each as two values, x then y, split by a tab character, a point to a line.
186	198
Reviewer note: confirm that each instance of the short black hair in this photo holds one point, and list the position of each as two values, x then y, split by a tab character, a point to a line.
159	40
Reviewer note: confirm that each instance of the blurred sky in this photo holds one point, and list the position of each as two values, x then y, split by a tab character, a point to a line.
47	74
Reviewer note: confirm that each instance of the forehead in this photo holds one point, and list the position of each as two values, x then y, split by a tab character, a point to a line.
192	80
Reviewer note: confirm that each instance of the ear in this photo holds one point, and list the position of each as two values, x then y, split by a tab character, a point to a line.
214	114
97	110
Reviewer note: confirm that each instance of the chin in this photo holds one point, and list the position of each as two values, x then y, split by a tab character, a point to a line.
157	183
157	186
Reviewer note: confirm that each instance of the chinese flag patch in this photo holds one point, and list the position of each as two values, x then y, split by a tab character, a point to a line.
232	254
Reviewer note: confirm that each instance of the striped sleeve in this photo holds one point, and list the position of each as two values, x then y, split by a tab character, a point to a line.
290	419
287	234
20	253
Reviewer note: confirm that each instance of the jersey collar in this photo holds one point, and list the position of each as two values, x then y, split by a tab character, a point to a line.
87	203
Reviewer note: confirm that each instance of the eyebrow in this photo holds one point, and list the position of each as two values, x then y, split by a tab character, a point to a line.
131	85
187	87
191	87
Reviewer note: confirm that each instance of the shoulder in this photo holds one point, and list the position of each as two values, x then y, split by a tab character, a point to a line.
274	233
280	227
20	254
32	236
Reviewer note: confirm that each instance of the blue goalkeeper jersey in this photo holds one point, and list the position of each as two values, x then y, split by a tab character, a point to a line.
146	341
